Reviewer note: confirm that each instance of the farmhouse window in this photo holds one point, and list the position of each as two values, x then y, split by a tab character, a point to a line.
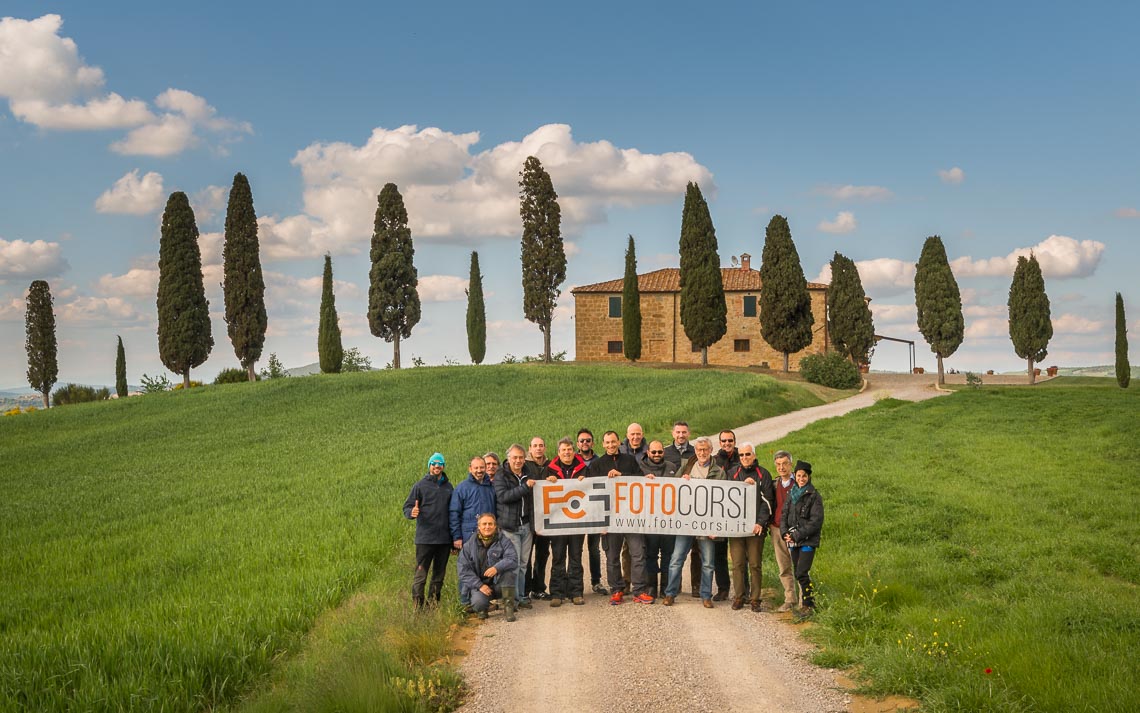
614	347
750	306
696	349
741	345
615	307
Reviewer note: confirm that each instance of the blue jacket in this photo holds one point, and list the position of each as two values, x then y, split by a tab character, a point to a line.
474	560
434	497
471	499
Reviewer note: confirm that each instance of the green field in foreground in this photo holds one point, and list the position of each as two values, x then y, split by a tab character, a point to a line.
981	551
164	552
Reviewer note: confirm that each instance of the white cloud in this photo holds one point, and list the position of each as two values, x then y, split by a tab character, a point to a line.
1075	324
210	247
208	202
1060	257
571	248
167	136
952	176
109	112
885	274
1127	213
12	309
844	223
893	314
100	310
133	195
36	260
855	193
986	311
452	193
985	327
136	282
39	64
442	288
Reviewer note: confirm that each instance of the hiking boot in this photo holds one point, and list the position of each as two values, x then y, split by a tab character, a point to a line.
600	588
555	602
667	601
738	604
578	601
696	594
525	604
804	614
643	598
721	596
540	596
616	598
481	615
509	602
785	607
707	603
756	606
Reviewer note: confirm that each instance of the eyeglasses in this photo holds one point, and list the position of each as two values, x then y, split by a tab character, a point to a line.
656	453
744	454
585	440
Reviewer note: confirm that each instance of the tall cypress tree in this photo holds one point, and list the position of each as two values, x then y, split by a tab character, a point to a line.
704	313
849	319
39	323
631	307
330	350
543	254
121	370
938	303
1030	325
1123	369
393	303
476	314
184	336
785	303
243	284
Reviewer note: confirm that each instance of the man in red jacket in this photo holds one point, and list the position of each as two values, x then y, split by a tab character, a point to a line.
566	550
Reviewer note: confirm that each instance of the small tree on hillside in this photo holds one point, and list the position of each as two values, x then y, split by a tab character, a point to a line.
543	253
785	303
1030	325
1123	369
330	350
39	323
243	286
631	306
184	337
476	313
938	303
121	370
393	303
704	313
849	319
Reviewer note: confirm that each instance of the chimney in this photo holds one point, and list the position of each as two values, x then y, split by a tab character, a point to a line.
745	261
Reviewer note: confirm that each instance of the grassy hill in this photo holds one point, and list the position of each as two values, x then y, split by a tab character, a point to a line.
163	552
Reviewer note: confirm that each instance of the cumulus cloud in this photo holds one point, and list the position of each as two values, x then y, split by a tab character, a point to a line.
1127	213
855	193
136	282
12	309
1075	324
952	176
894	313
1060	257
884	274
38	63
452	193
844	223
109	112
35	260
442	288
85	309
209	202
133	195
987	327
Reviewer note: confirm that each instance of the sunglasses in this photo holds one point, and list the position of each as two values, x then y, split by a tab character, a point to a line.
728	440
585	440
656	453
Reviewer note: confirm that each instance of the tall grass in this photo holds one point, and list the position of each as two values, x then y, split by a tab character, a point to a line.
981	551
164	552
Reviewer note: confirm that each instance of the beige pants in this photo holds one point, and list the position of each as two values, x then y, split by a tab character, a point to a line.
746	552
784	562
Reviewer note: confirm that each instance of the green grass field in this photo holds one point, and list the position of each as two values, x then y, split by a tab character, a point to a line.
170	552
981	551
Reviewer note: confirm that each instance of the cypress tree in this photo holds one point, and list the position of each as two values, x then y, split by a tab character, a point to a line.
121	370
1123	369
785	303
938	303
393	303
849	318
476	314
39	323
184	336
329	347
543	254
704	313
1030	326
631	307
243	284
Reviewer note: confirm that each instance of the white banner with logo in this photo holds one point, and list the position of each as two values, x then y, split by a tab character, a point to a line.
658	506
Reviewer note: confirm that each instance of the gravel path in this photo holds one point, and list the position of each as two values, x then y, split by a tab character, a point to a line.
658	659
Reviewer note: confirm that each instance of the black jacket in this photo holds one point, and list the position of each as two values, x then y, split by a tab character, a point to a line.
676	455
638	453
624	462
513	499
804	520
727	461
664	469
765	491
434	496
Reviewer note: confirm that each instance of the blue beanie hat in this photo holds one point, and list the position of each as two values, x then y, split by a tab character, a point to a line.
436	459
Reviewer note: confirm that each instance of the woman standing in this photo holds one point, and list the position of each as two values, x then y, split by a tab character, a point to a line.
800	526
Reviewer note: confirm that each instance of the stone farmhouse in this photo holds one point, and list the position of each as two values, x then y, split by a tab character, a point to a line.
598	332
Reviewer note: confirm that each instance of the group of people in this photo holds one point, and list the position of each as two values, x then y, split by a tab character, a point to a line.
488	519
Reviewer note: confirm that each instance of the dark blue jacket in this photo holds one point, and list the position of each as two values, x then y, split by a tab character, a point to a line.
434	497
475	559
471	499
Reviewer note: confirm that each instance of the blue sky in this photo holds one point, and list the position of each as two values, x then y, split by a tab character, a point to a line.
1000	127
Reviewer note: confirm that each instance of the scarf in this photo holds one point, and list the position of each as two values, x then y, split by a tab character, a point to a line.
797	491
486	541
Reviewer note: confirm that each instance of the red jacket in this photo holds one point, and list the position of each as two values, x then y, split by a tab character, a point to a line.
558	469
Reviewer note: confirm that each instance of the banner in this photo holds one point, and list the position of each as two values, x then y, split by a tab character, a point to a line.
657	506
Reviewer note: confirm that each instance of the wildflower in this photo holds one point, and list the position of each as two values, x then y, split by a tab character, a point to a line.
989	671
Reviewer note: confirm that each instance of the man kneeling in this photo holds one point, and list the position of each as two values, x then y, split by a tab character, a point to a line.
487	566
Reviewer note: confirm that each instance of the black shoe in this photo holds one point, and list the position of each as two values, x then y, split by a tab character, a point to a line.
541	596
600	588
653	592
721	596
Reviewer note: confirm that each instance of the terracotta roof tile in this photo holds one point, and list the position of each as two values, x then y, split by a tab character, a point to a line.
669	280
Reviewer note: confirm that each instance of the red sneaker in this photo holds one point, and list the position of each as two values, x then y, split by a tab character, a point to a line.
616	598
643	598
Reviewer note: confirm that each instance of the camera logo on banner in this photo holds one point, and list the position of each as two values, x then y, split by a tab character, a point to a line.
571	505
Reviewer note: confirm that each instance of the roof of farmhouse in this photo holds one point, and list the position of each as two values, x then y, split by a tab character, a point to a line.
736	279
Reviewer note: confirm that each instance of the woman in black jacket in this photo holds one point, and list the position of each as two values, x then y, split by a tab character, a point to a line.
800	526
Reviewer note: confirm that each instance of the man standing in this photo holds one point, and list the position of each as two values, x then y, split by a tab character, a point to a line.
658	548
783	486
680	449
536	574
727	457
702	465
748	551
634	443
428	504
615	464
471	498
593	540
515	506
566	568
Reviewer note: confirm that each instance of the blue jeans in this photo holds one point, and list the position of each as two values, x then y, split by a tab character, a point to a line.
523	540
681	548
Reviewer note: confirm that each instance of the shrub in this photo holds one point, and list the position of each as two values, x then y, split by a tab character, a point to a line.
193	384
355	361
156	384
77	394
973	380
234	375
274	370
830	369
